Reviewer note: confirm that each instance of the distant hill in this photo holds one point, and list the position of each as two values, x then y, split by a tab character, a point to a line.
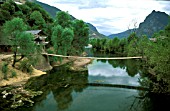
94	32
153	23
122	34
50	9
53	10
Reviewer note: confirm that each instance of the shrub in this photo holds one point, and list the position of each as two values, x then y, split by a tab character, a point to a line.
13	74
5	70
25	66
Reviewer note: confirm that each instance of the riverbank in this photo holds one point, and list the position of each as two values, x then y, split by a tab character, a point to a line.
20	77
76	64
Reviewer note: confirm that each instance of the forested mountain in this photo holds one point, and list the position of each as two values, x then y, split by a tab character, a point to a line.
121	34
154	22
50	9
53	10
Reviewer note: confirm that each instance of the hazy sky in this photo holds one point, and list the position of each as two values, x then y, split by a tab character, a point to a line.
110	16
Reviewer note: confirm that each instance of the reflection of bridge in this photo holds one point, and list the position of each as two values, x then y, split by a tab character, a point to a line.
118	86
100	58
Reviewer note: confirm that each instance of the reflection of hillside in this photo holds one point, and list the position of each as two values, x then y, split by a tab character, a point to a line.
62	83
132	66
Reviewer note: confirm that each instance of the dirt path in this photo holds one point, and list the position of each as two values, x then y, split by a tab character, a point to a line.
3	56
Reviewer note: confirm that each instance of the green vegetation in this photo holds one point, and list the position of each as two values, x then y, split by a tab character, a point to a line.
81	39
20	41
5	70
13	74
65	35
158	61
17	96
69	36
25	66
115	46
155	55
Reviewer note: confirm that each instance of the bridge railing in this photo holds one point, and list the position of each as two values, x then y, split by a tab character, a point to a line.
99	58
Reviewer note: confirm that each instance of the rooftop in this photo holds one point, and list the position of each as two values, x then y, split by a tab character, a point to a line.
33	31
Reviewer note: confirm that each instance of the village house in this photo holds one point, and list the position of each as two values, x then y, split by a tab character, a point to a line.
5	46
39	39
155	39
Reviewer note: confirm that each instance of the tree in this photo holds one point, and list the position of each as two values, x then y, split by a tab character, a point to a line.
4	15
123	44
20	15
63	19
133	45
81	39
20	41
158	59
26	10
115	45
9	6
36	20
56	37
61	39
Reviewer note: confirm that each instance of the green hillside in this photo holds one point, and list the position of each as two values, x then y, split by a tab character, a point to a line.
53	10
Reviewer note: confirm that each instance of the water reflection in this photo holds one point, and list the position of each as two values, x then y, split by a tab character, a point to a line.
59	85
70	91
114	72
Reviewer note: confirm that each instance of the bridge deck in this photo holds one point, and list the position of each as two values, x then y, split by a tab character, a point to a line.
100	58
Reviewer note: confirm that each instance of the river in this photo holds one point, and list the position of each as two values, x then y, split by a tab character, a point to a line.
75	91
107	85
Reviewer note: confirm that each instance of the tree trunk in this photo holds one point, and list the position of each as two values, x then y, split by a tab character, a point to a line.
15	57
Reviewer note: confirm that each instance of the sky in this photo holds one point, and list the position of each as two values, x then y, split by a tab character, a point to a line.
111	16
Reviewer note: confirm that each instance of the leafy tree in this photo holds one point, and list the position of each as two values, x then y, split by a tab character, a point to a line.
81	39
131	37
26	10
61	39
20	15
158	59
108	45
102	43
36	7
133	45
36	20
20	41
63	19
64	26
115	45
8	7
56	37
123	45
4	15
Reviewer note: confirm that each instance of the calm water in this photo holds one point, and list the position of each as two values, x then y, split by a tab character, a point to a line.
105	72
69	91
